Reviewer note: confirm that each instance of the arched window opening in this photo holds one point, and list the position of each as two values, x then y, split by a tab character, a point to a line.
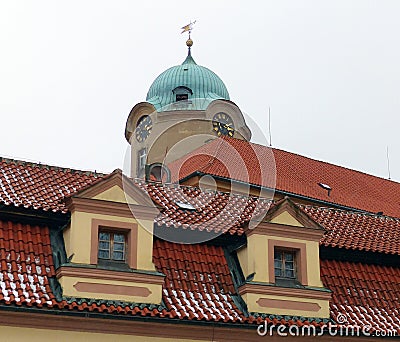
182	93
158	172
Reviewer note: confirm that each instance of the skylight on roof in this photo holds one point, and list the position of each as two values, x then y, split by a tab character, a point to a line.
186	206
325	186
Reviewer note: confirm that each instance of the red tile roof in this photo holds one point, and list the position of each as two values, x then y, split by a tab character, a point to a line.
229	158
198	283
37	186
213	211
364	294
295	174
221	212
26	264
42	187
357	231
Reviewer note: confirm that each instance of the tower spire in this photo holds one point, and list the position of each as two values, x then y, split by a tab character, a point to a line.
188	28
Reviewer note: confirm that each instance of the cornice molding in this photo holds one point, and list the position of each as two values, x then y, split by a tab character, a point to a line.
96	206
268	290
97	273
285	231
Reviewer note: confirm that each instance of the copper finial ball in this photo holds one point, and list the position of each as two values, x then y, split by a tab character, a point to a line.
189	42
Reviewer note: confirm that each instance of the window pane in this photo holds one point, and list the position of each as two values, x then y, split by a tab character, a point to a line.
289	273
118	255
289	265
104	245
278	264
119	247
278	255
288	256
119	238
104	236
104	254
278	272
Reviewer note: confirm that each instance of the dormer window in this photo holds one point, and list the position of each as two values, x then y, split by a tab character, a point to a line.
182	93
112	246
114	243
285	264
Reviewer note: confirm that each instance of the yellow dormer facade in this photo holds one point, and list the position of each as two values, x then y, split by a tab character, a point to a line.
109	244
281	266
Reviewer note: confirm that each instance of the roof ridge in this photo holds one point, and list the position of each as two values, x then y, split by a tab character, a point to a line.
363	213
184	186
49	167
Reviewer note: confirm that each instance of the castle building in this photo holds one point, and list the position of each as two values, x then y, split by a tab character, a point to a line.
209	237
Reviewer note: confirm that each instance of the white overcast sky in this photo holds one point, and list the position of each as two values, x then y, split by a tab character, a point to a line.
70	72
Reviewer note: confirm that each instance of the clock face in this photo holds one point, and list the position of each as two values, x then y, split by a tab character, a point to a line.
223	124
143	128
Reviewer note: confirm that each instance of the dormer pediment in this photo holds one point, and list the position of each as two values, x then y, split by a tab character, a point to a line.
288	213
286	219
115	194
115	187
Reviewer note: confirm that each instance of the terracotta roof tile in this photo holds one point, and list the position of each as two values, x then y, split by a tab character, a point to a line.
198	283
212	211
358	231
42	186
295	174
38	186
364	294
344	229
26	264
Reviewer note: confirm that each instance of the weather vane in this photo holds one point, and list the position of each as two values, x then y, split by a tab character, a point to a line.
188	28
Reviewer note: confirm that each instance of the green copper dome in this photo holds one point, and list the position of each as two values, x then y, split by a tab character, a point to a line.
190	81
